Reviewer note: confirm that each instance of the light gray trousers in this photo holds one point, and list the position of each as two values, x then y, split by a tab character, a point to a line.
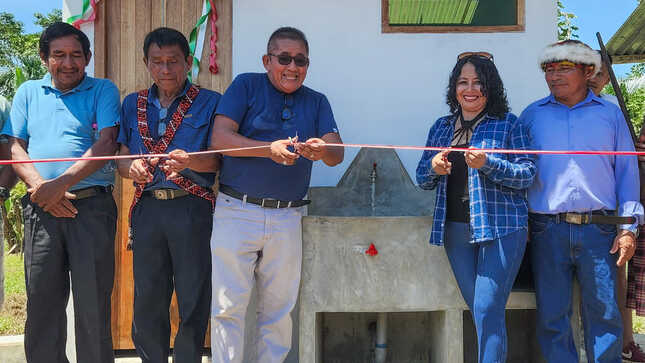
249	245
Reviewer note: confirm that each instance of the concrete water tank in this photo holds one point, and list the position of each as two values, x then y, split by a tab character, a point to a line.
344	291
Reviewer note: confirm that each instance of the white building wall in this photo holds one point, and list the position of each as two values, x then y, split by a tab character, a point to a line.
387	88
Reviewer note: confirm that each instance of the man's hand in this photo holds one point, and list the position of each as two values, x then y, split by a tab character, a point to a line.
440	163
475	159
48	193
178	160
139	172
52	196
625	241
313	149
281	154
63	209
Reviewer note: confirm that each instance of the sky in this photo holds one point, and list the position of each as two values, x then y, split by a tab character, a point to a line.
601	16
592	16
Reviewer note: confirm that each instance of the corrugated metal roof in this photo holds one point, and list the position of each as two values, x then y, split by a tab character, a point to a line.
628	44
432	11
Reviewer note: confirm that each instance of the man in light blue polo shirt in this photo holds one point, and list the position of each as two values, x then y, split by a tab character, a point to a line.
256	227
575	227
69	212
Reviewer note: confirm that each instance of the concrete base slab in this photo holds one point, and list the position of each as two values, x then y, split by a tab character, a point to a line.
12	349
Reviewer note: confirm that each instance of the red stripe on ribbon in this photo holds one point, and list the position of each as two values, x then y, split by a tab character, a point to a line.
368	146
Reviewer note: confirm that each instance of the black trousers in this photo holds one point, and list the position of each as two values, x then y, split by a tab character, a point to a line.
55	248
171	251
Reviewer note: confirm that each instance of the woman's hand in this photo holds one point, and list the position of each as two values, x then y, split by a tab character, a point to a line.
440	163
475	159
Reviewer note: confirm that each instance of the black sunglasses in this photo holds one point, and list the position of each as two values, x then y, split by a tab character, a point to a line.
285	59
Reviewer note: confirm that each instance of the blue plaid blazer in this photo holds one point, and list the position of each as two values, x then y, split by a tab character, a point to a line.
497	190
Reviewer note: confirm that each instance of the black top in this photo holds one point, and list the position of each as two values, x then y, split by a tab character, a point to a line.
457	206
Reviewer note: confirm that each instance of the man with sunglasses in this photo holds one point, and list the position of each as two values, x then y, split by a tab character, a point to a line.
257	233
575	227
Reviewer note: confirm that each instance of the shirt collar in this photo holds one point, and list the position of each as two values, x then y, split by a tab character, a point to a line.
153	94
591	97
85	84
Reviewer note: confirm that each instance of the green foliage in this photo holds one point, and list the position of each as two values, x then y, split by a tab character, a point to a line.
48	19
19	58
634	96
13	227
638	70
566	28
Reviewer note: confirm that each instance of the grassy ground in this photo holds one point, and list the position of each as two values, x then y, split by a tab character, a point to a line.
12	315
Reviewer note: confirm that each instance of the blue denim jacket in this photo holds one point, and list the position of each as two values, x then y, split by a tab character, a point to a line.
497	190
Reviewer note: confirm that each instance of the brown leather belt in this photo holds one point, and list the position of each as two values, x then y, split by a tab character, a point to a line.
596	217
91	191
166	194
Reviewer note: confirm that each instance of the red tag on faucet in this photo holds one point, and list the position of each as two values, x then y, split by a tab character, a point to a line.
371	251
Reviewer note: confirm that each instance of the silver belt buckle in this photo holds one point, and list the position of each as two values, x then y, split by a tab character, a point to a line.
576	218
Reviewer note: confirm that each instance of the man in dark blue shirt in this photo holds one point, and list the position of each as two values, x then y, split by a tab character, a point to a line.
257	230
171	215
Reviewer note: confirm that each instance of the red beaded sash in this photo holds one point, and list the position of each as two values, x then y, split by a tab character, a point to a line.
160	148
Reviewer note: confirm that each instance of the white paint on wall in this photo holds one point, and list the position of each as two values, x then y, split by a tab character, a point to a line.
387	88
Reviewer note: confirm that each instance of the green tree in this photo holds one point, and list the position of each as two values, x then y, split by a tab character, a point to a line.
46	20
19	61
633	89
566	28
19	58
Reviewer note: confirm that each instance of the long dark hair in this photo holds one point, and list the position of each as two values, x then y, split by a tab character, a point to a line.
491	86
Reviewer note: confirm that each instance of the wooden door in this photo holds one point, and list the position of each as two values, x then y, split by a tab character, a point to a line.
120	28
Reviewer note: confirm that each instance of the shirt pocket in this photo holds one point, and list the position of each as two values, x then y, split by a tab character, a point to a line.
192	134
266	121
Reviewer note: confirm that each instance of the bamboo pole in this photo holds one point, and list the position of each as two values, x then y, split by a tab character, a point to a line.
616	86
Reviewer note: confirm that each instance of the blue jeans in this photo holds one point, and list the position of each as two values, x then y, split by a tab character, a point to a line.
559	251
485	273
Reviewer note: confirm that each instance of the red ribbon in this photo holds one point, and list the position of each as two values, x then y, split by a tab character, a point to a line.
368	146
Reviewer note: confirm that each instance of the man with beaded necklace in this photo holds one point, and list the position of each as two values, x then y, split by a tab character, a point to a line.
171	214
